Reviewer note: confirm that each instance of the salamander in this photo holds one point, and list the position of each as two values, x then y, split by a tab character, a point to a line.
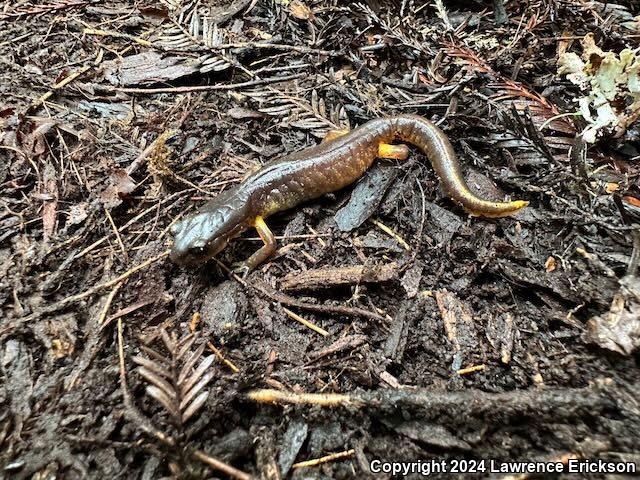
339	160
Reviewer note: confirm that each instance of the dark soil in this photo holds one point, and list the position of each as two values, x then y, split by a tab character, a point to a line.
447	336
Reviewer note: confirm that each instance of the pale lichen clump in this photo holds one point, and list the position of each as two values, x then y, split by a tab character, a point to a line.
612	85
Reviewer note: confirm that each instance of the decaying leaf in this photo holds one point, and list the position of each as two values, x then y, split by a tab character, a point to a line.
300	10
618	330
120	185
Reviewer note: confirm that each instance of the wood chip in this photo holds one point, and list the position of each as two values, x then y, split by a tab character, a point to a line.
335	276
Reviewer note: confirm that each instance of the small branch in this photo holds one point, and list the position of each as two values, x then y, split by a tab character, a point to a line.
327	458
268	291
203	88
336	276
538	403
59	85
290	398
221	466
306	323
287	300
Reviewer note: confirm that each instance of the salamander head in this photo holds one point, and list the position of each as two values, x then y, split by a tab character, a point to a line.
205	233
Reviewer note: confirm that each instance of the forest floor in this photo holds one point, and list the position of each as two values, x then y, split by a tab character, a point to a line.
430	334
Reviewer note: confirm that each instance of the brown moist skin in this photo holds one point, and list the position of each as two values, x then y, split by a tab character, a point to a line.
329	166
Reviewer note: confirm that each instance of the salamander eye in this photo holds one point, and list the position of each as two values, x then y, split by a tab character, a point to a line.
197	247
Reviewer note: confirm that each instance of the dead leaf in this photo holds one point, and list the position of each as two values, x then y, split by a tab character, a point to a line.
618	330
300	10
77	214
550	264
33	143
121	185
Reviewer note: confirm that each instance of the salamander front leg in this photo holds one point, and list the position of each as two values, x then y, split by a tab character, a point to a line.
393	152
263	253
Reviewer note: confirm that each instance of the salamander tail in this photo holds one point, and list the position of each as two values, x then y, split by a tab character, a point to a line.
497	209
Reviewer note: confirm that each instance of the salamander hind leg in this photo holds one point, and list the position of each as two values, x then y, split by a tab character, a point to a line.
393	152
267	250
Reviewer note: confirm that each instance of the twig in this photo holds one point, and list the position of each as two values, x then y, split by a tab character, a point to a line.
325	459
107	303
332	276
287	300
320	399
221	466
266	290
278	46
222	358
59	85
475	368
203	88
306	323
538	403
195	320
104	33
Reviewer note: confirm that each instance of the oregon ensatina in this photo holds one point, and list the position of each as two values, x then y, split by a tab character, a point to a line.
341	159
